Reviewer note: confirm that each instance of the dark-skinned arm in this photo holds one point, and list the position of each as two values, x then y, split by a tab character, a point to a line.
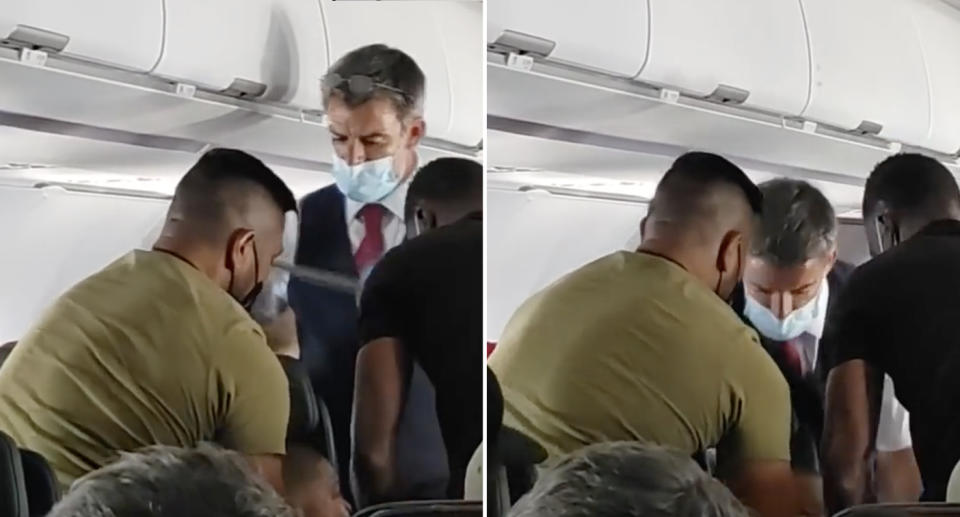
850	431
382	379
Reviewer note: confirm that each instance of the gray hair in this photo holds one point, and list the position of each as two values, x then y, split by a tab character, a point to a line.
399	77
797	224
626	479
164	481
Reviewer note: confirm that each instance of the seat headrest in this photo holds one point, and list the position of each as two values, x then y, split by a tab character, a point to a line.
41	485
13	494
304	410
424	509
494	408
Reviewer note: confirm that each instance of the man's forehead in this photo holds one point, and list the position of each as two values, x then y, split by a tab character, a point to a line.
376	116
763	272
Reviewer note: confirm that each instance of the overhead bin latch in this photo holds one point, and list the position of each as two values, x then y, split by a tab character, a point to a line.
38	39
245	89
725	94
513	41
868	127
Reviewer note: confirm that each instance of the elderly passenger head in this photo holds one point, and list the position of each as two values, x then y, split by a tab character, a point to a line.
166	481
625	479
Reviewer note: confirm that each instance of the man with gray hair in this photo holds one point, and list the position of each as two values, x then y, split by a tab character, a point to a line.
373	98
625	479
792	279
163	481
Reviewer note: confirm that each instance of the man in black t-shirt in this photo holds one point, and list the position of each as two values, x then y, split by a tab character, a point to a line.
898	315
424	302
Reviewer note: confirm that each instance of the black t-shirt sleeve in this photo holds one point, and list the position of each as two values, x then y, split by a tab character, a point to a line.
385	303
849	332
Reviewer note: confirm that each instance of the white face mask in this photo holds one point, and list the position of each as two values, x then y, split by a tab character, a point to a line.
797	322
365	182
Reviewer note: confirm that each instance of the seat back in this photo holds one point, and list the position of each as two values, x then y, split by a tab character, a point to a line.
902	510
424	509
39	482
309	417
13	494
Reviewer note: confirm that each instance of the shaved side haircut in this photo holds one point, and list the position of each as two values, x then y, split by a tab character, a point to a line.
702	193
218	190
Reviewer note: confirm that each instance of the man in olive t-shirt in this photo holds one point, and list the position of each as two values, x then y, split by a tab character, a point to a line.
158	347
642	346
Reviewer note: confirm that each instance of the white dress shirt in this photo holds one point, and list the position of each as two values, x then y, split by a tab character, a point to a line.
893	432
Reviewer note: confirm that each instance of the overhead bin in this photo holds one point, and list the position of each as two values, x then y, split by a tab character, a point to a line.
752	52
351	25
120	33
938	27
266	49
461	26
867	68
609	36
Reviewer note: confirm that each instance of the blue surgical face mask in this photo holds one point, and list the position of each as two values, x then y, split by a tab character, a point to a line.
366	182
796	323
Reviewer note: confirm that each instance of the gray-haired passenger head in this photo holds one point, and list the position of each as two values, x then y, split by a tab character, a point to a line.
626	479
166	481
393	74
798	224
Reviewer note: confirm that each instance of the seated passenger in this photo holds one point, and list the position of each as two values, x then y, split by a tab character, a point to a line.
896	316
158	347
643	346
624	479
163	481
313	488
424	302
792	281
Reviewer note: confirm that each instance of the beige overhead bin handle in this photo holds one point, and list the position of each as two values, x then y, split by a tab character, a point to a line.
725	94
38	39
245	89
524	43
868	127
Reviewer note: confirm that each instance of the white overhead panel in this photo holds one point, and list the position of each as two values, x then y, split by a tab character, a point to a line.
352	25
461	32
867	69
752	52
938	27
644	119
121	33
268	49
605	35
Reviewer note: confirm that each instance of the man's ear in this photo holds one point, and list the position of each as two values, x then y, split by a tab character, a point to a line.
728	255
416	130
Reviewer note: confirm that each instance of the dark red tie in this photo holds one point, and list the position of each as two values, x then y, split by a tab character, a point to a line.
791	357
371	247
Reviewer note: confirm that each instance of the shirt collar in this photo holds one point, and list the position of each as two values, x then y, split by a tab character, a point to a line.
394	202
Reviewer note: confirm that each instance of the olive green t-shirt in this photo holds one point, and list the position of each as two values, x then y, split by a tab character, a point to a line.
632	347
147	351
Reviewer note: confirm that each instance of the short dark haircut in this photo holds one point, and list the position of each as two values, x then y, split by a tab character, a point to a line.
698	172
207	191
446	180
798	223
911	183
301	465
392	68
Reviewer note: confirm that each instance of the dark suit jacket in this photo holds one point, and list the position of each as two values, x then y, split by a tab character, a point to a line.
329	344
806	393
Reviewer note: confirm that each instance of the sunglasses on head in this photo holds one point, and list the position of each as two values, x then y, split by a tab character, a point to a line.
359	85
